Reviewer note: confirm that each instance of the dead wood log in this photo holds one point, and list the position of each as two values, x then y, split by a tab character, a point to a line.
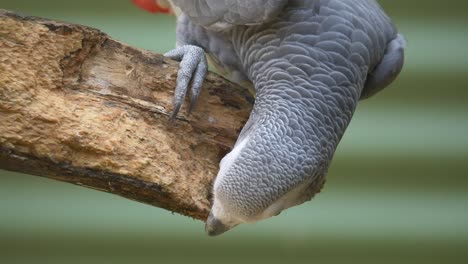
80	107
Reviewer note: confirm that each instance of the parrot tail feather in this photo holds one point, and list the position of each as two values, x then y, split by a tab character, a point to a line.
151	6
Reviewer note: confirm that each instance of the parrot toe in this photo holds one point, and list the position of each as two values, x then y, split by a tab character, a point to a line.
192	70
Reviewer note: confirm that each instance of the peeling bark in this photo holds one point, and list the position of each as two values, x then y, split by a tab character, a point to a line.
80	107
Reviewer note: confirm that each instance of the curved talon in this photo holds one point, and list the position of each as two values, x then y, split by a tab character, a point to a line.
193	68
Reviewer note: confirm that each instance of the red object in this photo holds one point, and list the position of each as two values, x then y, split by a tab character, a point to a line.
151	6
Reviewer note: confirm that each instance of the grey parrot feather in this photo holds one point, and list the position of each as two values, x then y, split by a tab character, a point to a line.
223	14
310	62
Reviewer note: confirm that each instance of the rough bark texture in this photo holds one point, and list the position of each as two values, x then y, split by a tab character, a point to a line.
80	107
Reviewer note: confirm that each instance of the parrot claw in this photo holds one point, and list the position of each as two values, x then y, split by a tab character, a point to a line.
193	67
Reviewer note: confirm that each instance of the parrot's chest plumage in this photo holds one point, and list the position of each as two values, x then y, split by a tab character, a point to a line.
339	33
310	62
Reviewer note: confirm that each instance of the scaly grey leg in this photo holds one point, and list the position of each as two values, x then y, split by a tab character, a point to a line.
193	67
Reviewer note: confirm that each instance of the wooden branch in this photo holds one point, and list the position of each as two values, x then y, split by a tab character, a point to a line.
80	107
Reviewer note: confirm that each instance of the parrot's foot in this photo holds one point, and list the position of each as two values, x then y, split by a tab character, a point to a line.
193	67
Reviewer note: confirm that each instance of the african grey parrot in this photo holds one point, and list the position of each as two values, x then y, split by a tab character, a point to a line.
309	61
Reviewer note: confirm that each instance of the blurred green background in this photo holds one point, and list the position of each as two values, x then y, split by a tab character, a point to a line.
396	192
